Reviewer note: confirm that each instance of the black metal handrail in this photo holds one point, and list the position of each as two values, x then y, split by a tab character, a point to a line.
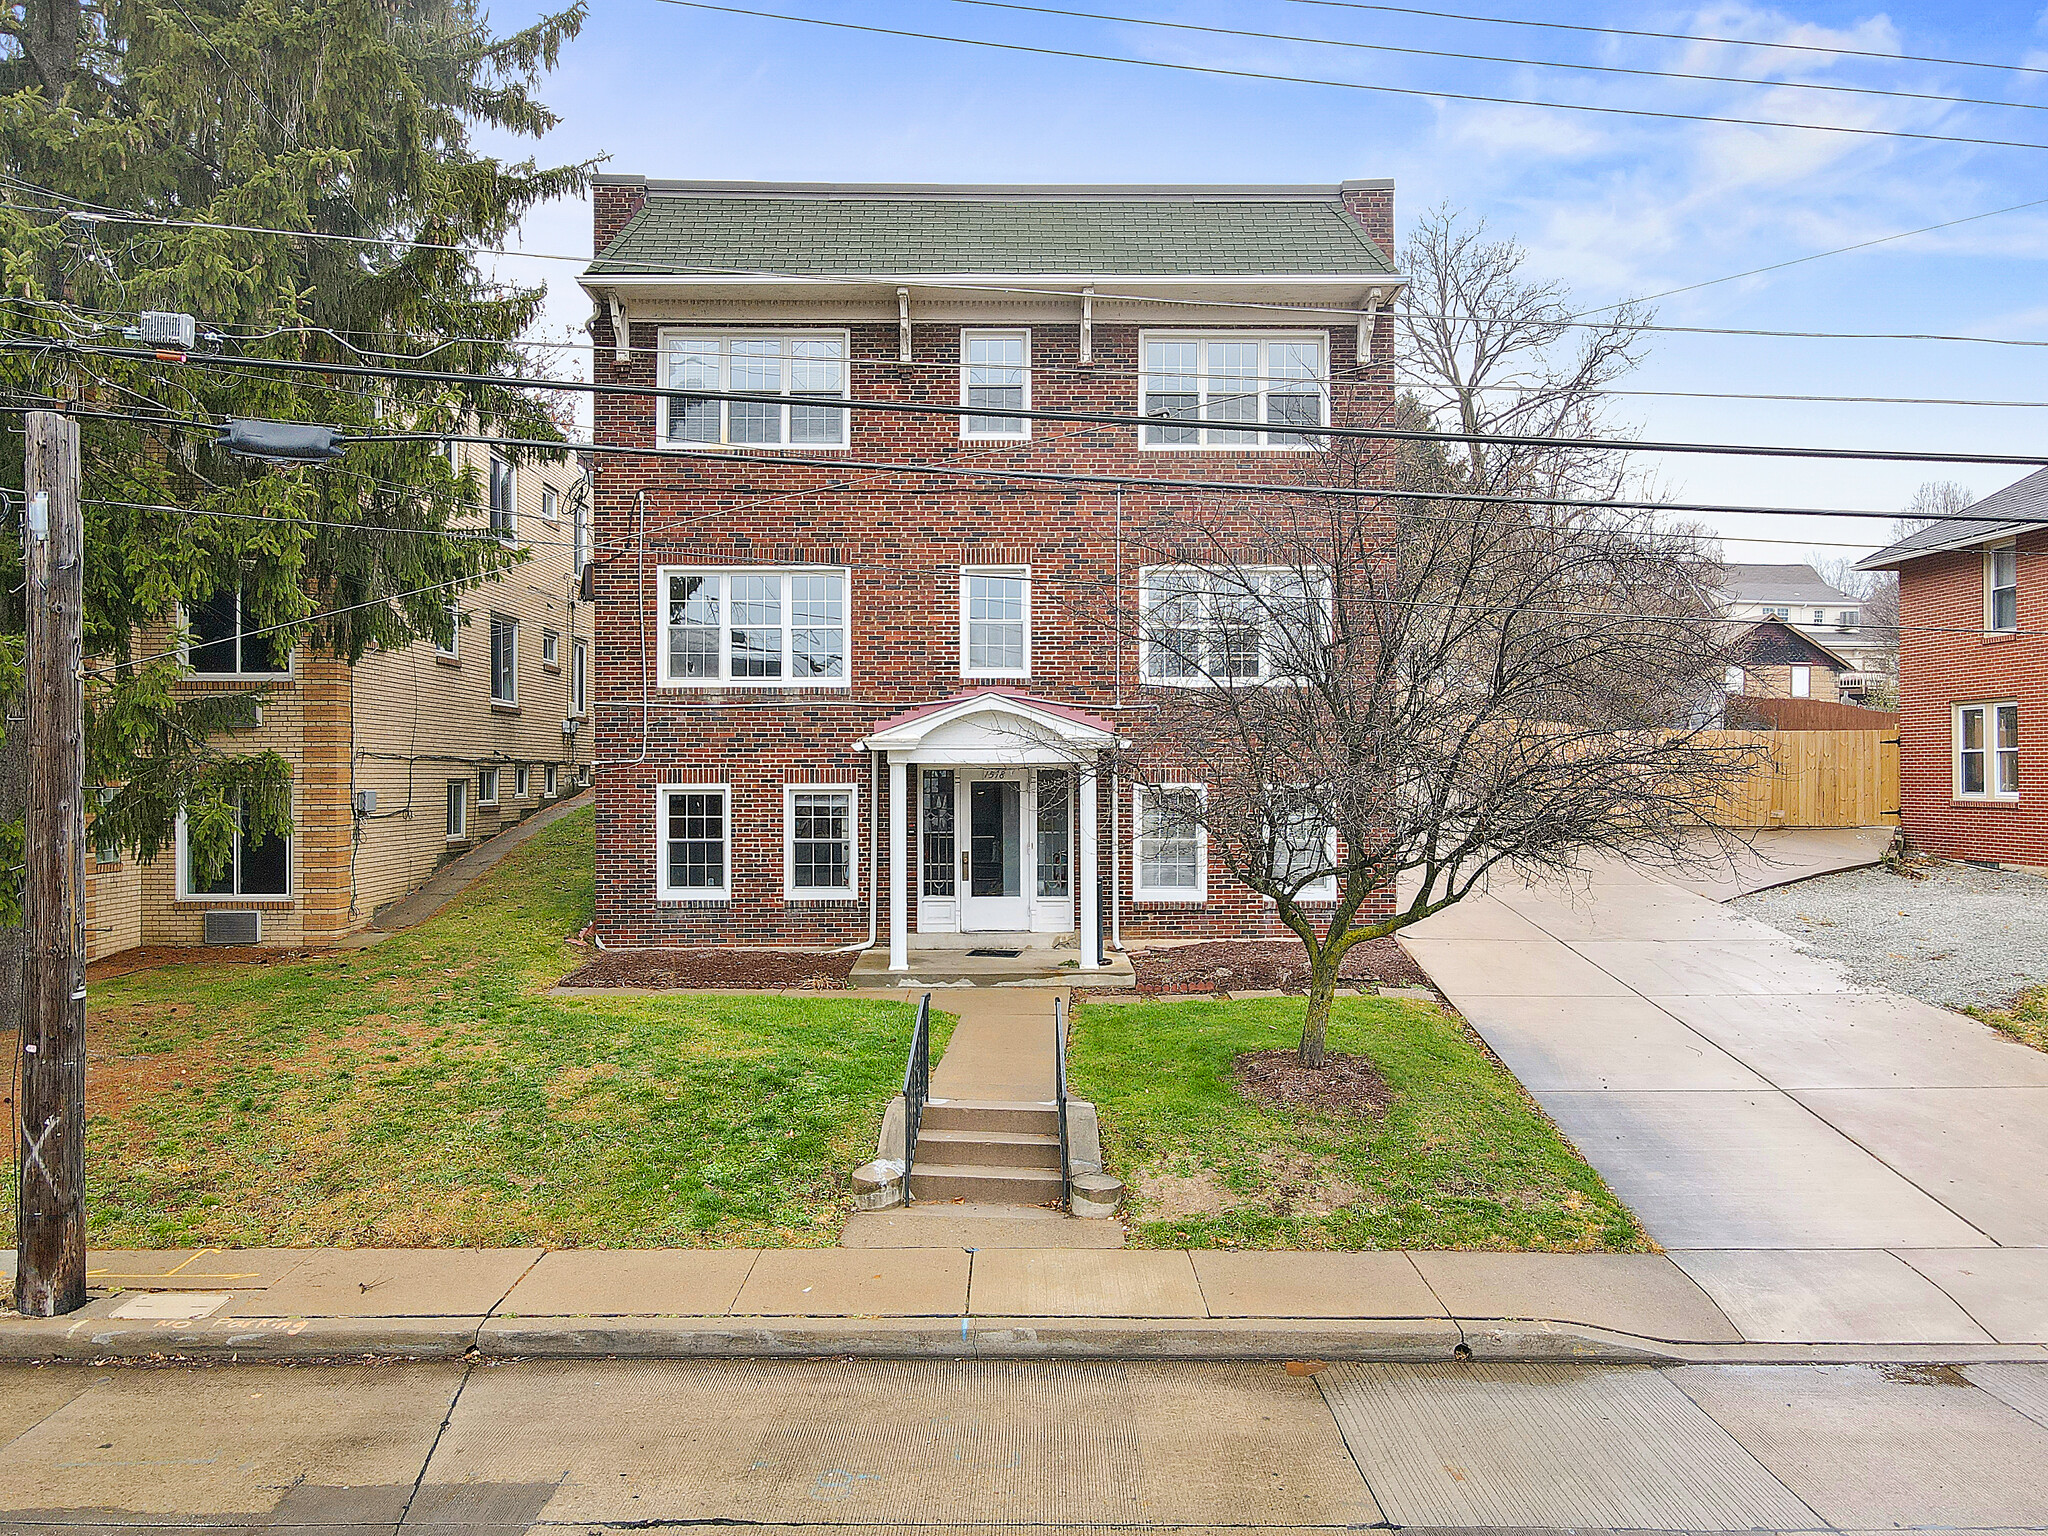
917	1086
1059	1094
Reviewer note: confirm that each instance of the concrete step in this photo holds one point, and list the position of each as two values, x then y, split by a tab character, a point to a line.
989	1115
982	1184
994	1149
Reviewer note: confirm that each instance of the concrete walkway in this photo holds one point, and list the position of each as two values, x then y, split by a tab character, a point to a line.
1822	1159
459	874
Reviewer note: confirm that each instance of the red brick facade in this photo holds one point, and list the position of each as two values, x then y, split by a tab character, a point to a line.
1946	659
903	539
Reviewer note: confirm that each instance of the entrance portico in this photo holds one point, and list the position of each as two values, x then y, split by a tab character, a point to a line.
992	816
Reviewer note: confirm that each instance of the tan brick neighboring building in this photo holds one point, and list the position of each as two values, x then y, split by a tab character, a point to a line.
401	761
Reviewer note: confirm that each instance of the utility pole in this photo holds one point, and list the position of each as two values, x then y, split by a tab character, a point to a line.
49	1276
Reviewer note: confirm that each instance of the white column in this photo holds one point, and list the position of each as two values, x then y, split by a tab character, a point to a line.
1091	939
899	865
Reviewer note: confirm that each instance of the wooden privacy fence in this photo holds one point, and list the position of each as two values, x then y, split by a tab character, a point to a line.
1816	779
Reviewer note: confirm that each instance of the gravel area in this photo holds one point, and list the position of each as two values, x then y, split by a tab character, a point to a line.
769	969
1255	965
1959	936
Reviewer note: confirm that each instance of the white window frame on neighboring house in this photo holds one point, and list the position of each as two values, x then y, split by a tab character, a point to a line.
550	503
1220	388
2003	582
1734	680
1159	585
725	581
458	810
1323	891
1140	889
1997	749
548	782
502	498
235	893
973	592
486	787
791	890
452	651
1799	683
579	677
237	642
704	359
522	783
508	626
981	373
663	890
551	648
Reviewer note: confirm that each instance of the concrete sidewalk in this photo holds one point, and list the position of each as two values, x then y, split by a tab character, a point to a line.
1009	1303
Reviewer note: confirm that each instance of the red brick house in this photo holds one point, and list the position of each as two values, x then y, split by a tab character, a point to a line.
1973	678
840	702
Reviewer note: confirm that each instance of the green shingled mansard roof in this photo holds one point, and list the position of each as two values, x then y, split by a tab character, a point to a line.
1220	233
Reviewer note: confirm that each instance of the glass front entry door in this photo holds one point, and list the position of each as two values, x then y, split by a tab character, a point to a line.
992	855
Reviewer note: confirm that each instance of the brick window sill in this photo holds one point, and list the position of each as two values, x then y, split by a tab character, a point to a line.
504	709
1985	802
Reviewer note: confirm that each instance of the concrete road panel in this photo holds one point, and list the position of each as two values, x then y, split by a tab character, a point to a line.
1870	1446
843	1282
1692	967
2021	1387
1601	1044
30	1394
1463	968
662	1282
1749	1170
1556	1446
394	1282
1313	1285
2004	1289
1023	1282
1861	1040
1478	917
1829	1295
1640	1293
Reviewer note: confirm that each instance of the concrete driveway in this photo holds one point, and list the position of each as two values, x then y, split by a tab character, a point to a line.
1796	1141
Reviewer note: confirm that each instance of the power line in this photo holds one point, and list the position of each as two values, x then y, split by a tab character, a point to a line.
1491	58
1675	37
1356	85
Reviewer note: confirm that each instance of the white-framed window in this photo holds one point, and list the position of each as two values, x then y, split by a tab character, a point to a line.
106	849
1847	618
1987	762
1734	680
504	659
995	371
550	504
487	786
550	648
522	782
222	643
579	675
548	781
453	649
1232	625
580	526
820	842
504	503
995	621
1256	383
693	842
458	810
258	869
802	366
756	628
1172	853
1802	682
1777	613
1820	616
2002	588
1055	833
1302	844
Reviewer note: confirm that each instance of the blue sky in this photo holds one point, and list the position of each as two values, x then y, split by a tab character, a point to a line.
1613	206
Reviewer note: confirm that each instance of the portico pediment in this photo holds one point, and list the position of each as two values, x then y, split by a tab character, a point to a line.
991	726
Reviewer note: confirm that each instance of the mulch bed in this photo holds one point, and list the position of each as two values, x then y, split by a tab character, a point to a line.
768	969
1349	1085
1265	965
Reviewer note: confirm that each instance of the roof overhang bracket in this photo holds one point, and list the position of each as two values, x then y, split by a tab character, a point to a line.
1087	325
1368	319
902	325
622	332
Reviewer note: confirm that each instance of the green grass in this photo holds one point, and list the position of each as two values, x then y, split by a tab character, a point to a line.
2025	1018
1462	1158
426	1092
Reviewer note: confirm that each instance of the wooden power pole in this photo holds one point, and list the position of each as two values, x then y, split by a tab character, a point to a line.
50	1231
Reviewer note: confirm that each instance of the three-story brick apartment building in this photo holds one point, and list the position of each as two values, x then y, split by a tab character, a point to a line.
842	701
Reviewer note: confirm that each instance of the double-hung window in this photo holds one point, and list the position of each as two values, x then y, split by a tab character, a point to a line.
453	648
995	373
800	367
256	866
223	644
550	503
819	839
487	786
504	505
504	659
770	629
692	842
1173	846
1987	738
1232	391
579	675
458	810
2002	588
1238	624
1305	849
995	621
550	648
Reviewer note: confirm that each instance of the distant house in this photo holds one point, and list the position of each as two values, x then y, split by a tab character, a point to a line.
1798	596
1771	659
1973	678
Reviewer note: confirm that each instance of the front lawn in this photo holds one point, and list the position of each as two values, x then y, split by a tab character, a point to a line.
2025	1018
1461	1158
427	1092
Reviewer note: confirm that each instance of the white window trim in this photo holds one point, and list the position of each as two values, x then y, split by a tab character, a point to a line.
549	784
1143	892
579	678
1990	791
785	683
1991	553
1013	572
512	620
551	648
1021	427
509	534
1323	892
522	783
452	651
184	871
791	891
1799	680
481	800
457	834
551	503
1261	427
1204	679
663	891
661	439
185	623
